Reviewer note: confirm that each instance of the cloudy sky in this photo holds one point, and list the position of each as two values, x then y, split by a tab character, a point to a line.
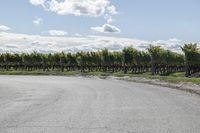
74	25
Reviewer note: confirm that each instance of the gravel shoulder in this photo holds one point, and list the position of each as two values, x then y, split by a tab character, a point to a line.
183	86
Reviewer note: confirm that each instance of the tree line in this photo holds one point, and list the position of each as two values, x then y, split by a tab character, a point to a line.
156	60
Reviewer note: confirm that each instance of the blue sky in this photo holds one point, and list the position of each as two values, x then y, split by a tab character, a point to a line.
150	20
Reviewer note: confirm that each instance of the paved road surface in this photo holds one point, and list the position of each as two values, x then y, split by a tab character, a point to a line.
50	104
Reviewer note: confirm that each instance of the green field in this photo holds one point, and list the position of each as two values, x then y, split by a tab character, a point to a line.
174	77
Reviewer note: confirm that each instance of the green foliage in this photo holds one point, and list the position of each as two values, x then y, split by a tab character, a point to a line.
130	56
192	54
192	58
156	60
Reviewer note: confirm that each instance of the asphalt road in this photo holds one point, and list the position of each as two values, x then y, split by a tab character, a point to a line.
51	104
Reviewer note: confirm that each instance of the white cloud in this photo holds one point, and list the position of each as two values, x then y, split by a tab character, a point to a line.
37	2
112	10
77	35
38	20
57	33
108	18
106	28
93	8
172	43
12	42
4	28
